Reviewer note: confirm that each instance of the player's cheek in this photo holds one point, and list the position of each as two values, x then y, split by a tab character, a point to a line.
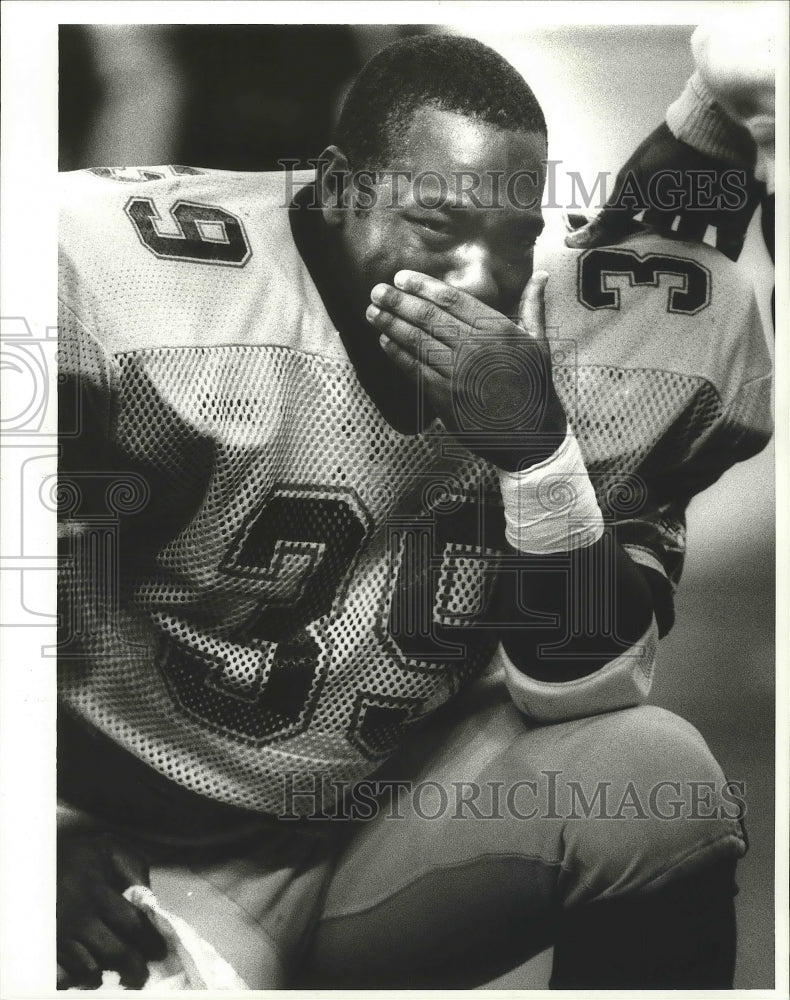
408	251
384	253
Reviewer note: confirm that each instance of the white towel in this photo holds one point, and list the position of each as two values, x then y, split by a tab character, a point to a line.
191	963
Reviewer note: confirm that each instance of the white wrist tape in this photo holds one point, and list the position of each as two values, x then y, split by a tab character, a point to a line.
621	683
551	507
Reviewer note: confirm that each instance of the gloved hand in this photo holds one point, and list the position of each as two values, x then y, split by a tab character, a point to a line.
97	928
681	192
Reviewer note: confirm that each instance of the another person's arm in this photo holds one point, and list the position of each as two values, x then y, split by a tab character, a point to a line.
721	126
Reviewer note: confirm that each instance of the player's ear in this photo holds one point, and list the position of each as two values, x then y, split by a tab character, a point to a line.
334	184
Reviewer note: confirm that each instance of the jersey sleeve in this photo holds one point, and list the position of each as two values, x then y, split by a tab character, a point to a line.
662	364
664	395
87	473
86	373
736	429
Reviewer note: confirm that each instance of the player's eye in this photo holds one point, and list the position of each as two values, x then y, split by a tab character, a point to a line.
519	242
518	250
435	226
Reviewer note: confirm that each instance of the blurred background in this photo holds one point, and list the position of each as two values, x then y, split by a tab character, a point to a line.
241	97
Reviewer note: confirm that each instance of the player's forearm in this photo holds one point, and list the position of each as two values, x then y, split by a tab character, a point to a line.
594	650
570	613
579	629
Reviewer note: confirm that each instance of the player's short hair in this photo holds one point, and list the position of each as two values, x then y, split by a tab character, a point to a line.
444	71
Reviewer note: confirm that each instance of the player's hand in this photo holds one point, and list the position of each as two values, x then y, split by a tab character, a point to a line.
97	929
488	378
681	192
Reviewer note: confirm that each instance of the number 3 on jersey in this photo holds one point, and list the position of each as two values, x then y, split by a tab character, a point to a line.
205	234
595	266
296	554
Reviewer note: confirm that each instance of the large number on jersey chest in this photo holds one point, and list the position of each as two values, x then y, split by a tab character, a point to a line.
389	632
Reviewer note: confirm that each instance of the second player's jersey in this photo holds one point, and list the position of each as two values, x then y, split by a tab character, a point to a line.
263	580
661	362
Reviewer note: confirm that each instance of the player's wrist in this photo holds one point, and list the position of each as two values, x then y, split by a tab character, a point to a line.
623	681
518	451
697	118
551	506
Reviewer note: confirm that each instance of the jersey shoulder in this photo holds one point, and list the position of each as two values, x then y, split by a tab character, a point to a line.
95	187
172	256
653	303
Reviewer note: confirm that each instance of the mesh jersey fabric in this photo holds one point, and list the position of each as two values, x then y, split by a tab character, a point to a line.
263	583
660	359
271	635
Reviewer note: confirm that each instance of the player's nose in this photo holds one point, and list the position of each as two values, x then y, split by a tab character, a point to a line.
474	272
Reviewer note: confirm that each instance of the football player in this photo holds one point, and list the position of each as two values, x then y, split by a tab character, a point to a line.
335	506
660	361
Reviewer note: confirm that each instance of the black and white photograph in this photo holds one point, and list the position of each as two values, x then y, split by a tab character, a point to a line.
394	453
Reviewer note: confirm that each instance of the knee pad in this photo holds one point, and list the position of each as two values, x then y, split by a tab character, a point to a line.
649	805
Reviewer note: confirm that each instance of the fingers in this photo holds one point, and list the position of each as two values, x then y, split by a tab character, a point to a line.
133	927
533	311
79	966
410	340
99	948
450	301
98	929
406	361
113	954
417	316
63	980
434	383
608	228
128	868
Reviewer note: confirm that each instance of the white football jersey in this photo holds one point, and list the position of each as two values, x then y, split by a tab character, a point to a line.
294	580
660	359
263	581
